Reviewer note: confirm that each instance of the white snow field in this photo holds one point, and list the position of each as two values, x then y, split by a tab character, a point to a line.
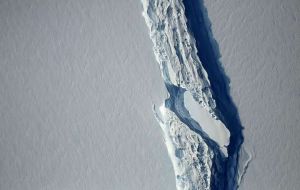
259	42
77	83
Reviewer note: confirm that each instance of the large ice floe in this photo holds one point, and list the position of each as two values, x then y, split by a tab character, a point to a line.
197	140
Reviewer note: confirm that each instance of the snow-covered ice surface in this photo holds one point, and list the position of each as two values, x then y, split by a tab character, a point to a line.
77	82
259	41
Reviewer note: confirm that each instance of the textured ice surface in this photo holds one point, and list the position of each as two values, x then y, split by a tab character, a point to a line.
175	49
191	157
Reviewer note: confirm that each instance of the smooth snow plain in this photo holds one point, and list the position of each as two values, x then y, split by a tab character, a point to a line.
259	42
77	83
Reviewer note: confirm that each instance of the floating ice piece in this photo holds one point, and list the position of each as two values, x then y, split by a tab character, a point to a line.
214	128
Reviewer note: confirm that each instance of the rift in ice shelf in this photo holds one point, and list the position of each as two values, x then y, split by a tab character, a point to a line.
202	132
